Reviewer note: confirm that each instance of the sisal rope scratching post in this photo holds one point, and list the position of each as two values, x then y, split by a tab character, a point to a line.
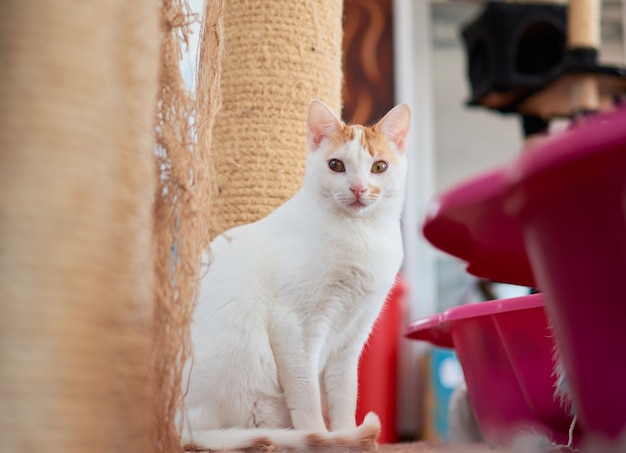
208	97
278	55
77	87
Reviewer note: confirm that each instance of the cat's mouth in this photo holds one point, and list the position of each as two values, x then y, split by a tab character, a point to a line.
358	203
354	205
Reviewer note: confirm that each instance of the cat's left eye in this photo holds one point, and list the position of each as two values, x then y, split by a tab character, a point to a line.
336	165
379	166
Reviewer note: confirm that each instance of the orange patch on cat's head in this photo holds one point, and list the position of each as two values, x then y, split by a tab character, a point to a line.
378	145
372	140
341	136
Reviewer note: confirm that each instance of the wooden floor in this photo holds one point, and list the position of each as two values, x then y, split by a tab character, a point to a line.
431	447
411	447
440	447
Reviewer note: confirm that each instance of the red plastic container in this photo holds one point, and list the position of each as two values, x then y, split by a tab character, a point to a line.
556	218
505	348
379	364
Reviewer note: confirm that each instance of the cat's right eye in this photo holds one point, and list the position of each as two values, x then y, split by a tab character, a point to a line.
336	165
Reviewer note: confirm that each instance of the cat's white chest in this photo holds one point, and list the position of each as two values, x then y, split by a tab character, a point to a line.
336	284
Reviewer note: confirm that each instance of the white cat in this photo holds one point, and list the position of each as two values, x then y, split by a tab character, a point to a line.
289	301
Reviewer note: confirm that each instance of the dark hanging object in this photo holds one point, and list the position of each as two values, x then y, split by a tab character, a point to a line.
514	49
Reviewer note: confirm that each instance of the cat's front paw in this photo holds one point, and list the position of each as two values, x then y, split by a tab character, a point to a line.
359	439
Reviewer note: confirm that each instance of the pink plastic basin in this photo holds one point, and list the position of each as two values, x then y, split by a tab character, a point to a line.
556	218
569	198
469	222
505	348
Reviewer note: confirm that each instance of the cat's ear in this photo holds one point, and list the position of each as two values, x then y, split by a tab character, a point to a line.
395	125
321	123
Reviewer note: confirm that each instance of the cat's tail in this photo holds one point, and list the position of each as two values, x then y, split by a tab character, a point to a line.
360	439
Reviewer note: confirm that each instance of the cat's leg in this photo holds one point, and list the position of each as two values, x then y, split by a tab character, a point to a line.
297	364
340	383
271	411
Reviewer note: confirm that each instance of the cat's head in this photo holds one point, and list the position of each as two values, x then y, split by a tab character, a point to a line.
356	168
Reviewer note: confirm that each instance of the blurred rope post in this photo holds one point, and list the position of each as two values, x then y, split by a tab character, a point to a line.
278	55
181	227
77	181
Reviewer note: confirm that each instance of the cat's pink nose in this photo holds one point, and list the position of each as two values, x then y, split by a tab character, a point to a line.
358	190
